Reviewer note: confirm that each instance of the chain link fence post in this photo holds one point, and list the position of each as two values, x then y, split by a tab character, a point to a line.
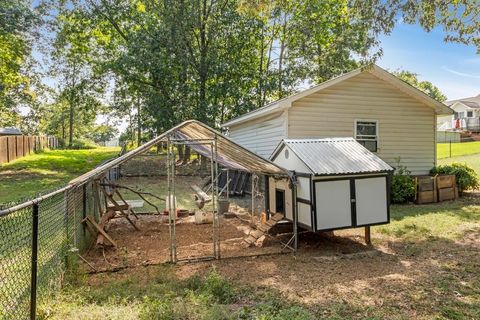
33	282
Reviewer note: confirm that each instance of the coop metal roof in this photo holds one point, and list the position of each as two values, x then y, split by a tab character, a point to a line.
334	156
198	136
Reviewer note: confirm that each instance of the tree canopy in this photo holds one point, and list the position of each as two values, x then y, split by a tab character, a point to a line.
156	63
425	86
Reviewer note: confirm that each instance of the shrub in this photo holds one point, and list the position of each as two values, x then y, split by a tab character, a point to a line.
465	176
403	185
220	289
78	144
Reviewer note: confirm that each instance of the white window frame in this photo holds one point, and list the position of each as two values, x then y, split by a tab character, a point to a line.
377	136
471	111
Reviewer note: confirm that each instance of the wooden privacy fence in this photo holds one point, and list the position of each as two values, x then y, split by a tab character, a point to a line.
14	147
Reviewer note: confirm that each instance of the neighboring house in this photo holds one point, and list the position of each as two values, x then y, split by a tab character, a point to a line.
385	114
10	132
466	116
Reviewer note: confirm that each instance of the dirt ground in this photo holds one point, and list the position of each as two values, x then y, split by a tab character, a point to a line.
342	270
150	245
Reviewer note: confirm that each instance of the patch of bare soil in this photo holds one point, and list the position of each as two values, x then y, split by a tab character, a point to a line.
393	275
151	245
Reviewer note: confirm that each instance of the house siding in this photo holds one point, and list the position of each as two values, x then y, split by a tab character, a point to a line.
261	135
406	127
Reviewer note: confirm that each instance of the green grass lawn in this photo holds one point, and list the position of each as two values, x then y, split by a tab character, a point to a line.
458	149
38	173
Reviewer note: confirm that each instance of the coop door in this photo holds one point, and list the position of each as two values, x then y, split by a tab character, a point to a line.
333	204
280	201
371	200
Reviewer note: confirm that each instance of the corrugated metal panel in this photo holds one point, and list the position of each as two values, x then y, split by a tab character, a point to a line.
230	154
336	156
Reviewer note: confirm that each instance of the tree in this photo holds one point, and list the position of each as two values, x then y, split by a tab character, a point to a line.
80	88
17	19
103	133
460	20
213	60
425	86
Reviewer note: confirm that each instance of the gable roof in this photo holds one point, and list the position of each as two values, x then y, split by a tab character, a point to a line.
229	154
334	156
472	102
10	131
401	85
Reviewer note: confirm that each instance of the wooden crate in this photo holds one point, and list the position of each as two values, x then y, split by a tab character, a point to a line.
445	181
426	197
426	189
447	194
425	183
447	188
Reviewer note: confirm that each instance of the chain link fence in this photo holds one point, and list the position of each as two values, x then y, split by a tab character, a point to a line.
36	238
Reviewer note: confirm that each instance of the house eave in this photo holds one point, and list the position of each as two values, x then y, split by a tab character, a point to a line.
286	103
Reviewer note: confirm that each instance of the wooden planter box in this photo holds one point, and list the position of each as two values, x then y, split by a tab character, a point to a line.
435	189
447	188
426	189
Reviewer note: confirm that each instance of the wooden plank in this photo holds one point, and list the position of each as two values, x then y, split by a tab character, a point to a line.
118	207
3	150
12	149
270	223
250	240
92	221
277	217
201	194
368	240
263	228
256	234
446	181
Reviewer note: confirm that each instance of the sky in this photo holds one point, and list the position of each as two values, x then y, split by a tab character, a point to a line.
454	68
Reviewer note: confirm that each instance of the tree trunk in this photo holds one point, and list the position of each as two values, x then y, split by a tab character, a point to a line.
281	56
139	124
63	129
180	152
260	68
186	155
72	100
203	162
70	124
203	67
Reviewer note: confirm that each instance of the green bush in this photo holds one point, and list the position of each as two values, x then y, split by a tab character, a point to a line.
79	144
465	176
220	289
403	185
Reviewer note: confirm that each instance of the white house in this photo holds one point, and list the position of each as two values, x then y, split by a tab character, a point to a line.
466	116
383	113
